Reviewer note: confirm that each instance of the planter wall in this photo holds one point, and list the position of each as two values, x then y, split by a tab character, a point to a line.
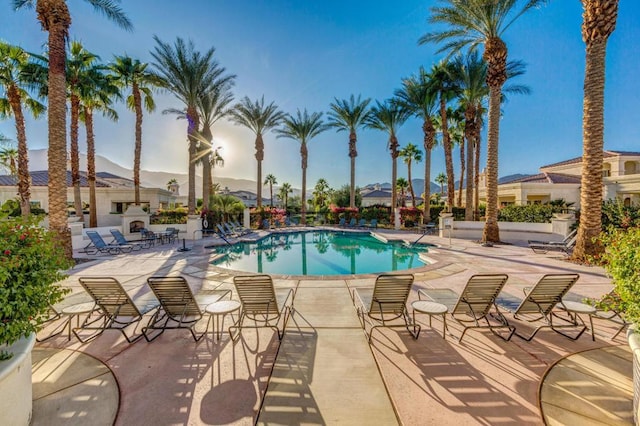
15	383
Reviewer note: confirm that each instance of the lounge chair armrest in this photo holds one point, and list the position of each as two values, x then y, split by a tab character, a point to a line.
422	293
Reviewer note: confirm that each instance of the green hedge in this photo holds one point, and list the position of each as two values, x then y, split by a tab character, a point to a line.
169	217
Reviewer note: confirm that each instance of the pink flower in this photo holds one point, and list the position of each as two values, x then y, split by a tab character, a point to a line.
7	252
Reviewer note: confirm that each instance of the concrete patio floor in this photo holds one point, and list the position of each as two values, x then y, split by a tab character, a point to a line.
324	371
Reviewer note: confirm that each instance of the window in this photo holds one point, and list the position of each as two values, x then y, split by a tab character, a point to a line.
117	207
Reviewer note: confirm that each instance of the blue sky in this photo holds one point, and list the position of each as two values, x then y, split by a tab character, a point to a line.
302	54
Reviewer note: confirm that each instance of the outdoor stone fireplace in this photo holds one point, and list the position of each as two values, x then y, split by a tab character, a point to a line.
133	220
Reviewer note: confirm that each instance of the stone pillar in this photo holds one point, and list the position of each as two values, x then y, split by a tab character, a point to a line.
246	218
194	227
445	222
561	223
396	219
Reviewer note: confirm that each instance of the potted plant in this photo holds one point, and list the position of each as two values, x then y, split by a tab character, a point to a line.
621	259
31	265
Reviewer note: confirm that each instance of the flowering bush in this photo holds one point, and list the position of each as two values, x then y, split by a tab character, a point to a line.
169	217
409	216
30	266
335	213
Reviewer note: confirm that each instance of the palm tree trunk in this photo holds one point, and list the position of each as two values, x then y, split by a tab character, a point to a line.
393	147
303	201
491	232
429	132
476	174
23	152
55	18
271	193
194	124
411	191
599	21
259	158
138	148
462	169
353	153
446	141
75	156
206	181
91	168
469	127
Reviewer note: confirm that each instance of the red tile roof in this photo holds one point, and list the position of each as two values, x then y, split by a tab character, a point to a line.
606	154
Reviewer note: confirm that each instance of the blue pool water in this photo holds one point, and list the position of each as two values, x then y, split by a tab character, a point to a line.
320	253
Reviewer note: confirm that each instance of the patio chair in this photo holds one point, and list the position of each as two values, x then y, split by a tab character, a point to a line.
342	223
261	304
362	223
385	304
149	237
373	224
224	233
473	307
540	302
352	223
239	228
179	308
120	240
114	308
98	245
171	234
565	245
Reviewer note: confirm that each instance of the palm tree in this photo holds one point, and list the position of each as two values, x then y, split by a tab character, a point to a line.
302	127
97	97
212	105
227	205
81	71
321	192
15	78
387	117
55	18
469	71
259	119
599	21
441	82
401	186
418	96
409	154
8	156
441	179
132	73
473	23
270	180
283	193
170	183
187	74
456	134
349	115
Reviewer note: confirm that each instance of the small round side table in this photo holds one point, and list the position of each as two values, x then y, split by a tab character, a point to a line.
574	309
76	311
220	309
431	308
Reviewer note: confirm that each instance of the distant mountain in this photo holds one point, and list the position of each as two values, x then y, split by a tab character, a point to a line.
418	186
148	179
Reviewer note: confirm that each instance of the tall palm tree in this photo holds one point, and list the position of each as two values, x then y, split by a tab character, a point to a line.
441	179
283	193
599	22
418	96
456	134
401	186
387	117
55	18
472	23
321	192
441	82
131	73
302	127
270	180
82	69
98	97
213	105
409	154
349	115
187	74
259	118
16	77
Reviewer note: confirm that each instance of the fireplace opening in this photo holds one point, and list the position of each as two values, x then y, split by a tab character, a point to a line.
136	226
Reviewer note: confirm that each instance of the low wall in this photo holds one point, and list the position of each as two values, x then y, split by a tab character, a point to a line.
510	232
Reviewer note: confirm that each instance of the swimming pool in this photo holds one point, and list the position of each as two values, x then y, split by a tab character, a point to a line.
320	253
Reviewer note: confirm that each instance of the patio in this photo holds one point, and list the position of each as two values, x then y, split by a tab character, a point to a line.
324	371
